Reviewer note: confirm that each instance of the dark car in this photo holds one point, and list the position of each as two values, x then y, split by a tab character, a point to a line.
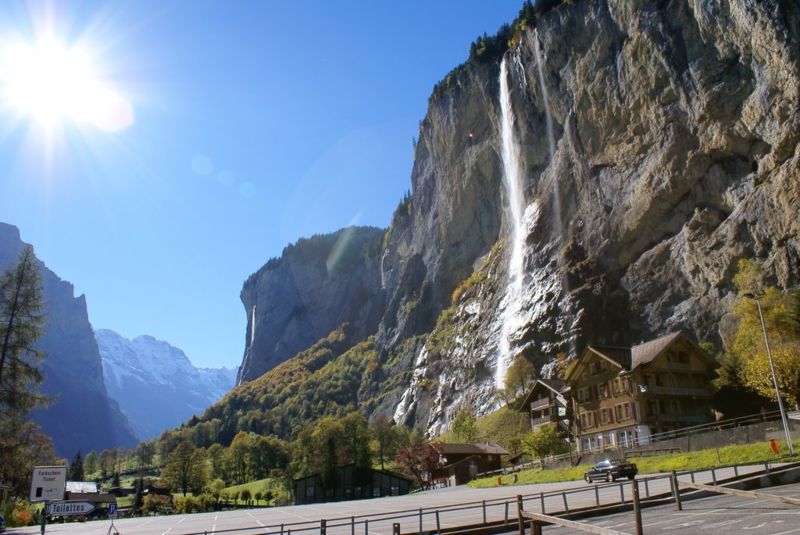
2	523
610	470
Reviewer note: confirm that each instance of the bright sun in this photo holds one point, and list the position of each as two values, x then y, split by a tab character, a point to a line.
50	82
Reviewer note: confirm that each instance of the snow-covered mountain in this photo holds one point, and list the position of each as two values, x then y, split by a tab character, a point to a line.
155	384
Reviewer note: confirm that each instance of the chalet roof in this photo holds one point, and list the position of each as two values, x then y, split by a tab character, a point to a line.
557	386
479	448
641	354
81	486
648	351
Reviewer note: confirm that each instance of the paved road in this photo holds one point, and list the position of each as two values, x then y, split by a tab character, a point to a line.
715	515
268	520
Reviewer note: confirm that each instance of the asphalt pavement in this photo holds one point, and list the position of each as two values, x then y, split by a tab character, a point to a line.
458	506
715	515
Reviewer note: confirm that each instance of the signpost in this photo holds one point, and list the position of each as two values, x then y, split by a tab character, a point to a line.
48	484
69	508
112	511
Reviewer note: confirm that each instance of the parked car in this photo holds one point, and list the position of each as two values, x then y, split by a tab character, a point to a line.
611	470
2	523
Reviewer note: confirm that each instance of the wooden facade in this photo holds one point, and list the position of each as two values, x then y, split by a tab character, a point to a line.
621	396
548	402
351	485
460	463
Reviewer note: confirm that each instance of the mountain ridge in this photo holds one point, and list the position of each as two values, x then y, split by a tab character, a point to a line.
176	389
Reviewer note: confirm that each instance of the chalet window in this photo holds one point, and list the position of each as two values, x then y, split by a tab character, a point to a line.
588	419
583	395
626	384
620	386
654	407
670	380
605	416
623	411
594	367
602	391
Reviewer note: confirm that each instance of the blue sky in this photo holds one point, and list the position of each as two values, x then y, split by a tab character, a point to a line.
255	123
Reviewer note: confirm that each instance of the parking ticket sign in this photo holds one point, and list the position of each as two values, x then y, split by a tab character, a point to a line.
48	483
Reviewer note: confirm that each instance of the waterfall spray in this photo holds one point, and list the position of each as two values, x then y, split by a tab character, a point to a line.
516	211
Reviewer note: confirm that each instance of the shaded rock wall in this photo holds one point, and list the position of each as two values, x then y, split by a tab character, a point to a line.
81	415
316	285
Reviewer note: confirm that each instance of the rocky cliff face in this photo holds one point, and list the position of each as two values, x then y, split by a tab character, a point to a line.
81	415
659	144
155	384
316	285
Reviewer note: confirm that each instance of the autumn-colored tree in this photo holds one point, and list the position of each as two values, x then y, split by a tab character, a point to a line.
185	468
546	440
418	459
781	316
238	457
520	377
464	428
386	439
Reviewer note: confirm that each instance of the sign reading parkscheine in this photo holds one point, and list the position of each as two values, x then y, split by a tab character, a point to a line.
69	508
48	483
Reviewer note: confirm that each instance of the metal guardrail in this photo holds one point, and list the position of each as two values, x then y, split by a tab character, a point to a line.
430	520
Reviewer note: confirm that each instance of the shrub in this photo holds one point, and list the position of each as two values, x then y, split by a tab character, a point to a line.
156	504
185	504
21	514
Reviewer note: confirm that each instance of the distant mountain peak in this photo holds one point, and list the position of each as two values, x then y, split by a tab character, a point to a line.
176	388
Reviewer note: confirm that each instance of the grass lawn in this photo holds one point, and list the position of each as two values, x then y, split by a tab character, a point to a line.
695	460
254	486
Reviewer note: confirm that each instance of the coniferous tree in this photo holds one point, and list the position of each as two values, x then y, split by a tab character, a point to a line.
138	495
21	325
76	468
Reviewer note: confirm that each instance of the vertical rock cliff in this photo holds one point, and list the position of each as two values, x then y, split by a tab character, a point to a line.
658	142
316	285
81	416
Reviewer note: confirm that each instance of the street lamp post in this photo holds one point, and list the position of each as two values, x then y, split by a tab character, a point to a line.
772	370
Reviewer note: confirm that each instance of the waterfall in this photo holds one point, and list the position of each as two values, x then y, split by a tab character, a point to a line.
516	212
253	326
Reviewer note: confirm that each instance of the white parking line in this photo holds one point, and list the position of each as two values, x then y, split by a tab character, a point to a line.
293	514
257	520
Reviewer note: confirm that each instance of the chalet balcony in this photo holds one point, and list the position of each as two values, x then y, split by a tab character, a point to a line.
540	421
540	404
679	391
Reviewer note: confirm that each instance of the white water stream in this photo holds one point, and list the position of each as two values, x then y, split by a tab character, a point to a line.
516	211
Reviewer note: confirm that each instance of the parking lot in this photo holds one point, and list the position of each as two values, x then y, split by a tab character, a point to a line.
459	506
713	515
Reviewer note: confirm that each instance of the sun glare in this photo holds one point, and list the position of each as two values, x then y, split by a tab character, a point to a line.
50	82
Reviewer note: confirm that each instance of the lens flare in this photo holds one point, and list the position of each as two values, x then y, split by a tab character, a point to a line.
50	82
